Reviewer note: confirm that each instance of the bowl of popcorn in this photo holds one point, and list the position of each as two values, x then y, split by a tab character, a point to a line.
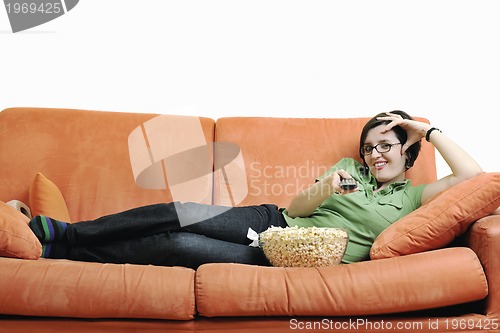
304	247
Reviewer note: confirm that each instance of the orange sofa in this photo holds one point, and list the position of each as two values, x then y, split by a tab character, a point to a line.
78	164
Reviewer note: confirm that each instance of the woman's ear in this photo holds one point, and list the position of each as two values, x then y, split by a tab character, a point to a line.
408	163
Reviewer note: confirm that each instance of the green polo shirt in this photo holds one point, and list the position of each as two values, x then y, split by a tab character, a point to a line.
364	214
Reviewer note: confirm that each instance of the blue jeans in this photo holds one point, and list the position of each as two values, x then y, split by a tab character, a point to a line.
173	234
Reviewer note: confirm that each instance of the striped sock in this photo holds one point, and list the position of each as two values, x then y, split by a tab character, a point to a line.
48	230
56	250
46	250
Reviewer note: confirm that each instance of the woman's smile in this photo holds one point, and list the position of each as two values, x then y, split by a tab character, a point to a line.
379	165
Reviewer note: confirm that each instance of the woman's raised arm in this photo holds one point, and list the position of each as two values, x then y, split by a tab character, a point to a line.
462	165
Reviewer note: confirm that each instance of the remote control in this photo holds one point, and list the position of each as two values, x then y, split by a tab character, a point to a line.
348	184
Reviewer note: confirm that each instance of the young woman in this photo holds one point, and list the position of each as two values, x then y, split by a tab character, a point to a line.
389	145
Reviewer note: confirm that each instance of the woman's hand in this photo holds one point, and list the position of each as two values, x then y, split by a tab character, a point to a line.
416	130
462	165
336	178
306	201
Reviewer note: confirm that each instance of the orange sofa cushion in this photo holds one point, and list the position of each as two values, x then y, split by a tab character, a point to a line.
63	288
16	238
441	220
431	279
285	155
46	199
90	156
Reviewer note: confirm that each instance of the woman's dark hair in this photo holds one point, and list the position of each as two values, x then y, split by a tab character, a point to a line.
411	152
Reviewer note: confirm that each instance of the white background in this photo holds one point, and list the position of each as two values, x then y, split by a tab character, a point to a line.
436	59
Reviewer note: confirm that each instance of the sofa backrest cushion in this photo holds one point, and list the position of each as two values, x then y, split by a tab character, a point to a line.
283	155
100	161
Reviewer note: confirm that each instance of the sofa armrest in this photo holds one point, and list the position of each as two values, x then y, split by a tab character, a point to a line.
484	239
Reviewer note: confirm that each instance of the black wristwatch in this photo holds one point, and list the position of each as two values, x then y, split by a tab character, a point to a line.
428	134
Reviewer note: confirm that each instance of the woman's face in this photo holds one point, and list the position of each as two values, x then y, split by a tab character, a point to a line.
387	167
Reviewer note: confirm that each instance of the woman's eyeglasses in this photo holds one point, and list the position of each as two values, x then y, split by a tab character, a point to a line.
381	148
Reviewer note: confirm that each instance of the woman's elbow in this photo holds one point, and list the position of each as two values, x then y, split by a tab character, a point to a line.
473	173
291	212
296	212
